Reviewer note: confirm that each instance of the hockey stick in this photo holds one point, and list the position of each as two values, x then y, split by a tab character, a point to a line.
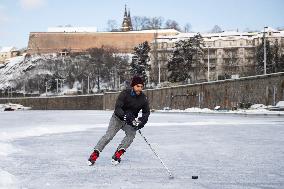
169	172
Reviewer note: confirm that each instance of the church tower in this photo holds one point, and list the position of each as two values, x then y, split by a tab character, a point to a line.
126	24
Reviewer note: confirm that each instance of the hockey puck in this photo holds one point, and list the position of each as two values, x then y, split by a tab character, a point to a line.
194	177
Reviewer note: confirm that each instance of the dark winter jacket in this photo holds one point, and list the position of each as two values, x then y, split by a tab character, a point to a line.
128	101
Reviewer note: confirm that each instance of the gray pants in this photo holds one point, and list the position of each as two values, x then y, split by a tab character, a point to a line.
115	125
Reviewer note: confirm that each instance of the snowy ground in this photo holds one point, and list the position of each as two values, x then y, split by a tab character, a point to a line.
256	109
49	149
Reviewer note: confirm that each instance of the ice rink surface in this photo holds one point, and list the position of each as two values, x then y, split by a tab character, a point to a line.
49	149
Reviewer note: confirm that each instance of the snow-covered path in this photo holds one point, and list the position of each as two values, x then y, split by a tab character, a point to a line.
49	149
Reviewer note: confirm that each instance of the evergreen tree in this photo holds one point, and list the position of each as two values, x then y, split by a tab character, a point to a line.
260	58
139	64
200	66
177	66
277	59
281	64
184	55
273	59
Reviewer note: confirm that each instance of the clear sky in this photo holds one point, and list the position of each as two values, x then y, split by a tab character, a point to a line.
20	17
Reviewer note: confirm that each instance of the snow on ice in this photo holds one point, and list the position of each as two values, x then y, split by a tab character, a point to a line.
49	149
256	109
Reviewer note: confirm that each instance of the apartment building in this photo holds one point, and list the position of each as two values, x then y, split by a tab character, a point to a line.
228	54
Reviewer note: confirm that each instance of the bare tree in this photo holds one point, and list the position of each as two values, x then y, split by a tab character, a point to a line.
280	28
155	22
216	29
172	24
140	22
112	25
106	65
146	23
187	27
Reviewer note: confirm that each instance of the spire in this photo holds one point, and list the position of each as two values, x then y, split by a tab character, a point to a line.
126	24
128	13
129	21
125	12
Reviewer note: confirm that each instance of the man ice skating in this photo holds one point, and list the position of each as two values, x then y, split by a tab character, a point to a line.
127	107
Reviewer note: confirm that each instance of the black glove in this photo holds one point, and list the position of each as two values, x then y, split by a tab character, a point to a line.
142	123
129	118
140	126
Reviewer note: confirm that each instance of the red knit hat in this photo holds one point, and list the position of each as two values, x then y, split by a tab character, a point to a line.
136	80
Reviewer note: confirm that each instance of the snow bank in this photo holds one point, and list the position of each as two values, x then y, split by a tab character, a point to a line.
14	68
10	71
280	104
198	110
256	109
258	106
193	109
13	107
15	60
200	123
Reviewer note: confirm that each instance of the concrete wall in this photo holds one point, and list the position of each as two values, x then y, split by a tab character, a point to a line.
84	102
266	90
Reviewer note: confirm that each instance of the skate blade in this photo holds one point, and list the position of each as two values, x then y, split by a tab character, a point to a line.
113	162
90	163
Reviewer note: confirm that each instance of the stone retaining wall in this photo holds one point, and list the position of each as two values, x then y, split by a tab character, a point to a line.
268	90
